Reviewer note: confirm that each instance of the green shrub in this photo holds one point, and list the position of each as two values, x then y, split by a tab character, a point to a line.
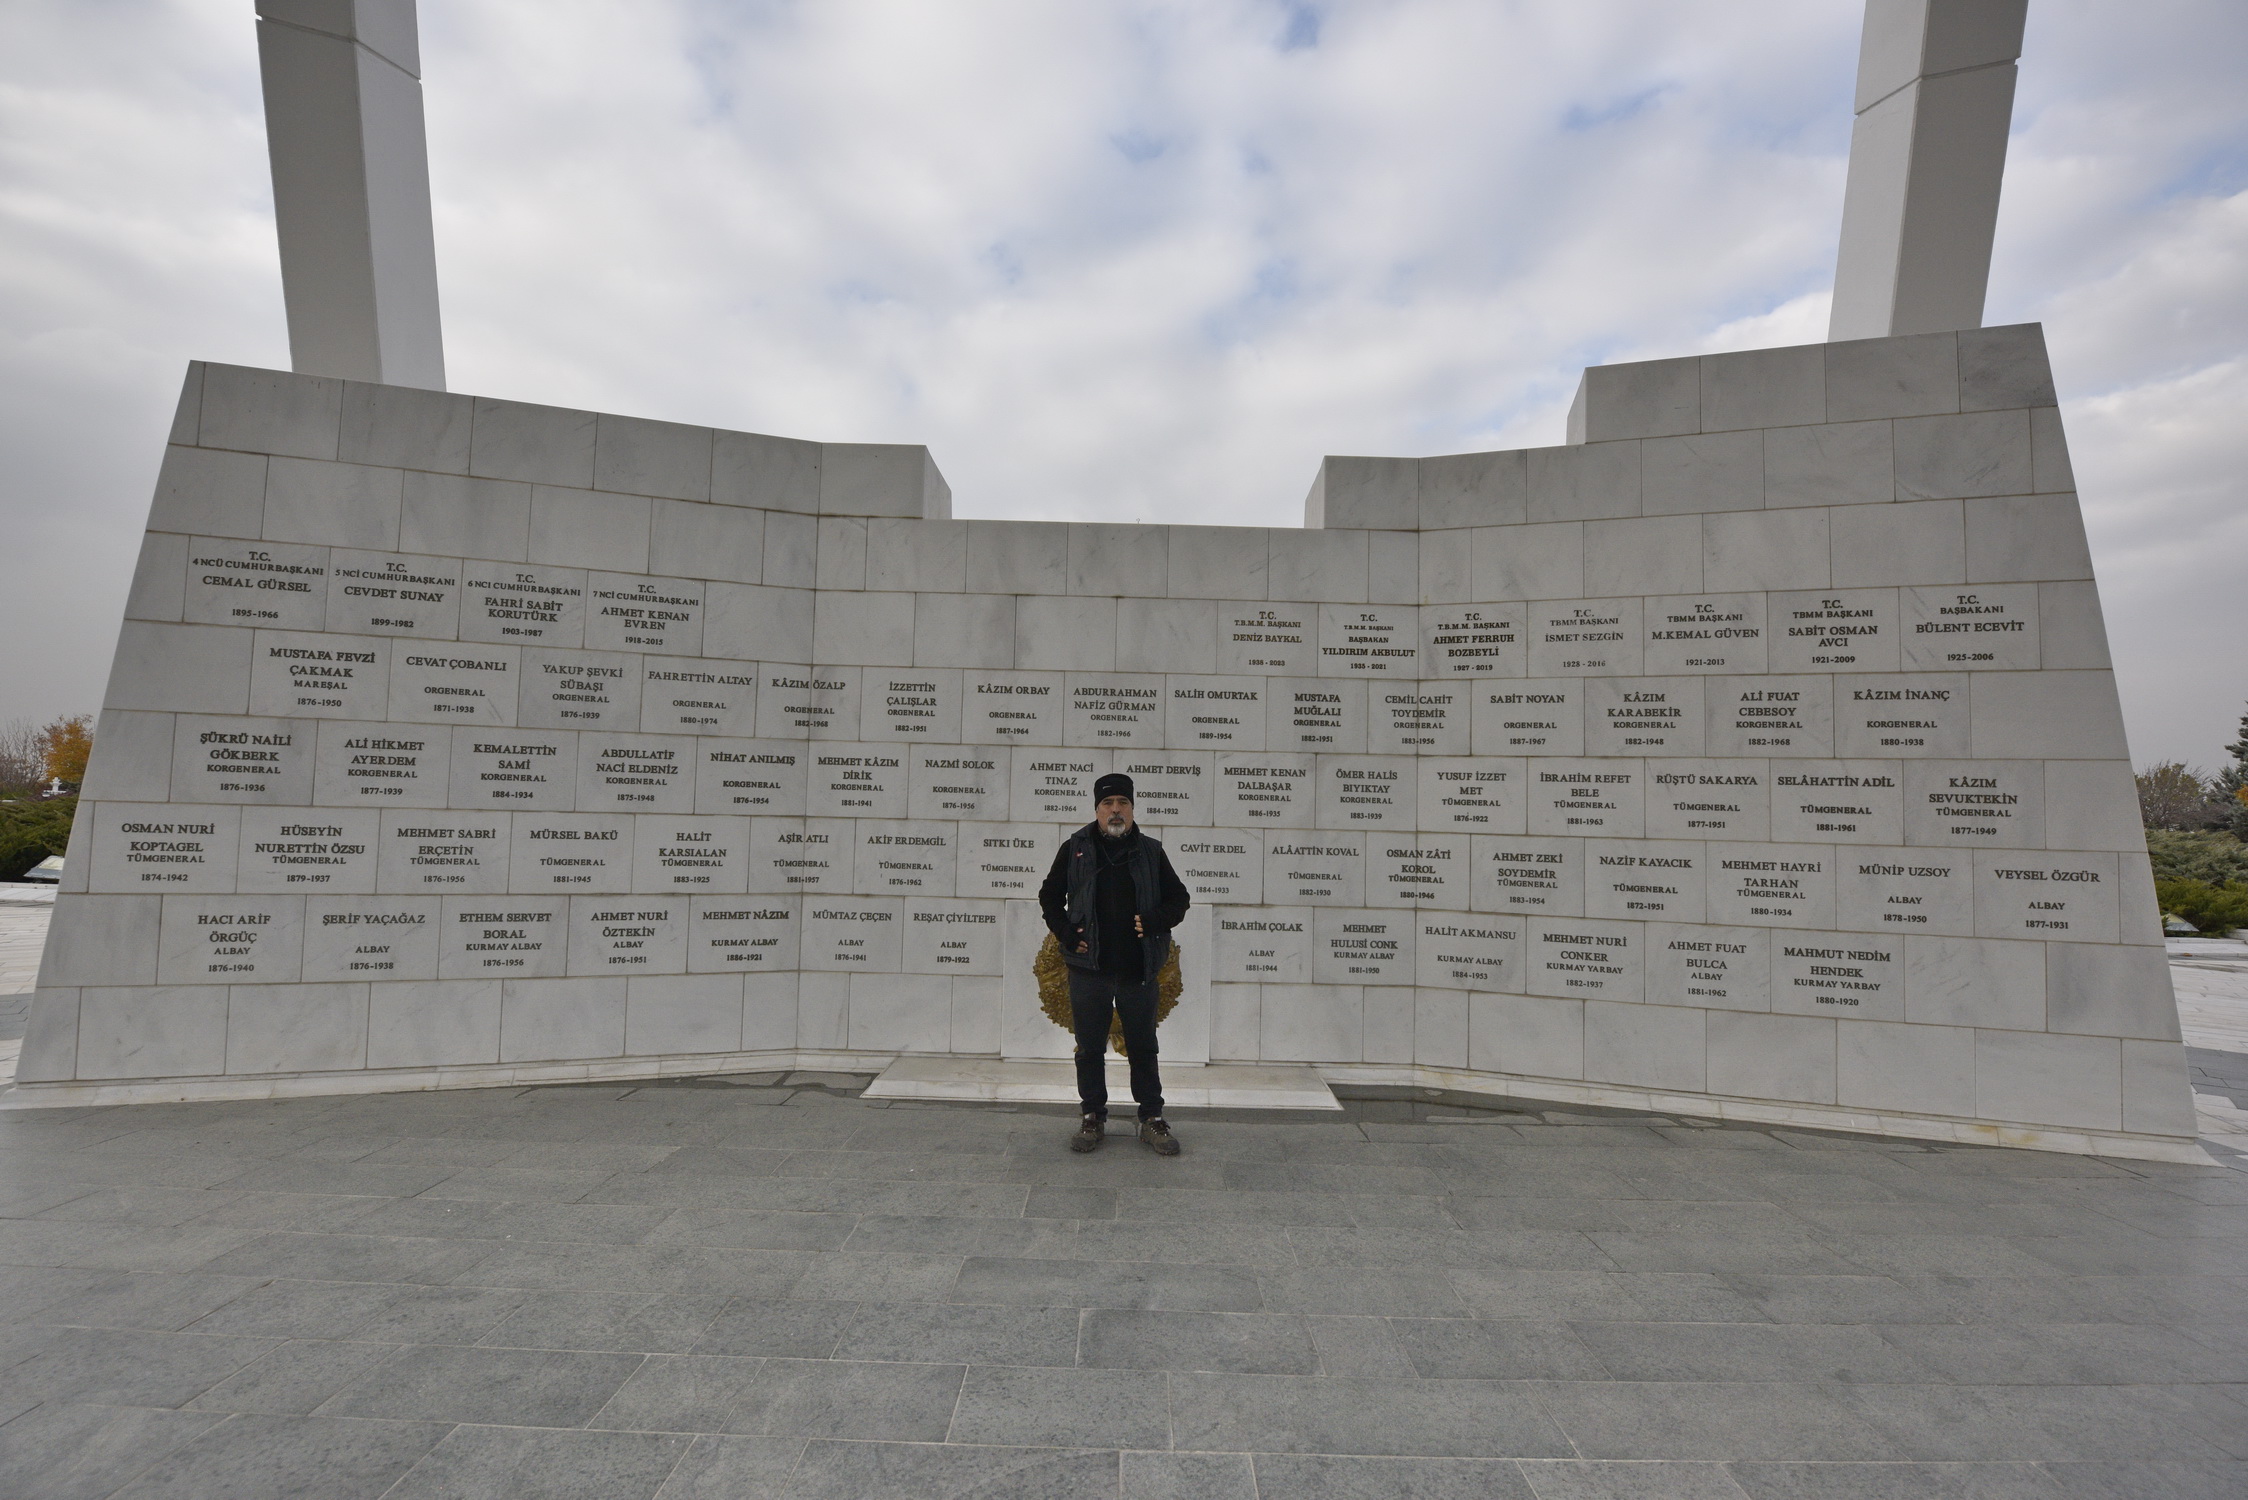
2215	858
30	831
2212	908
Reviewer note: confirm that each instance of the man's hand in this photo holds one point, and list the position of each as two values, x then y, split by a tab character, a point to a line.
1084	945
1137	928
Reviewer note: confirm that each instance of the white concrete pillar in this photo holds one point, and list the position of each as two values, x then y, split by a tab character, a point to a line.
1935	97
343	125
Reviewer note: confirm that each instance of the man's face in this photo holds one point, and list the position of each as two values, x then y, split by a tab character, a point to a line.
1114	815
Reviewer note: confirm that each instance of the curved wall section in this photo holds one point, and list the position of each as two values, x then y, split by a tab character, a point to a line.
1757	751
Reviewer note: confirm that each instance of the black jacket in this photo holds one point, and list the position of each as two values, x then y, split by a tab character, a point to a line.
1068	898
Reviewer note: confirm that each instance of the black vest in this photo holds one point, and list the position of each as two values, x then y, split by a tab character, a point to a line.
1084	913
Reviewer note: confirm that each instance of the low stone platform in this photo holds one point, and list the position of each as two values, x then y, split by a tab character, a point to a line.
1212	1086
772	1286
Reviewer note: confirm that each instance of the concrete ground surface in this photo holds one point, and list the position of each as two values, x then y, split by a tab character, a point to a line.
765	1286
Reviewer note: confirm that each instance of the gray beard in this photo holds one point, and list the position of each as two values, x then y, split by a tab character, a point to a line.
1113	833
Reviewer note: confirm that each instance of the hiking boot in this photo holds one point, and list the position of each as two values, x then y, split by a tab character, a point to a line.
1091	1131
1156	1135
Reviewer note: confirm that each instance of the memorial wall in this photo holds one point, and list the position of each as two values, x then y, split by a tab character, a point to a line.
1755	749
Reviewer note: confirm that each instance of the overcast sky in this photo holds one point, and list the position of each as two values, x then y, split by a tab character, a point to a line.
1136	261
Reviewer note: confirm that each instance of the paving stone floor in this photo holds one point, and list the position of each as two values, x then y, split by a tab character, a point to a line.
768	1287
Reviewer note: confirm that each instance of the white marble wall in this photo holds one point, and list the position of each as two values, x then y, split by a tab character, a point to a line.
1763	746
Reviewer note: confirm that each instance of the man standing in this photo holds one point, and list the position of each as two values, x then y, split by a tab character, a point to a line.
1111	901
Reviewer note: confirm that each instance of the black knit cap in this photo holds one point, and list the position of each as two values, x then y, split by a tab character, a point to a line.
1114	784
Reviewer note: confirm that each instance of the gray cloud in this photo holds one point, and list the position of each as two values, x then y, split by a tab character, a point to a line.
1133	261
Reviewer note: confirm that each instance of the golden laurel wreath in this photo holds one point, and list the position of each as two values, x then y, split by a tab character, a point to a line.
1053	990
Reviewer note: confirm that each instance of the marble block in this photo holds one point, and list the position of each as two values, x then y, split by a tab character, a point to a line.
1267	640
562	689
1485	640
531	606
1054	786
628	935
1527	875
579	528
1586	960
1771	1057
1714	968
231	940
203	492
1406	868
1313	715
675	1013
689	855
528	769
958	782
433	1025
451	515
1461	794
1645	880
300	1028
808	703
857	781
1771	885
854	934
404	427
954	937
1647	1046
508	937
1832	630
1216	713
256	761
1644	716
442	852
162	847
362	938
1266	945
1221	866
172	1031
1268	790
1700	634
1537	717
1905	891
801	855
286	849
391	593
455	684
1588	798
1171	789
1838	802
571	852
1365	792
1526	1036
1838	974
543	1020
1969	804
1592	638
1903	717
904	858
635	773
1461	951
1720	798
765	776
1316	869
731	935
1927	1070
1004	860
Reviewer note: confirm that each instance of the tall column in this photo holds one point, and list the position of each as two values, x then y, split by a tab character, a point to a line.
1935	97
343	125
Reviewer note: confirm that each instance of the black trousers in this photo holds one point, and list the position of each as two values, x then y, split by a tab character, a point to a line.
1093	998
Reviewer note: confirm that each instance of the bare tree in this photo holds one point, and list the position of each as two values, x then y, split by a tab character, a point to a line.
2173	795
23	754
